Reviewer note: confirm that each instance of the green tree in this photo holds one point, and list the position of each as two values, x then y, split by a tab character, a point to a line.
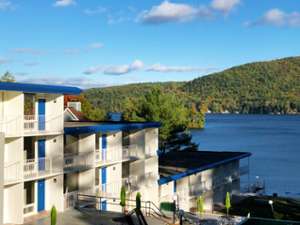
138	201
200	205
158	106
53	215
227	203
95	114
7	77
123	198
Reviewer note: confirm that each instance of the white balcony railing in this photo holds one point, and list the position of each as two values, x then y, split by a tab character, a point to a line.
40	167
134	182
112	189
81	161
12	172
70	199
110	156
198	189
37	123
29	208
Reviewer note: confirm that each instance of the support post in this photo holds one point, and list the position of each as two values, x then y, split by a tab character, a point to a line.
248	174
2	143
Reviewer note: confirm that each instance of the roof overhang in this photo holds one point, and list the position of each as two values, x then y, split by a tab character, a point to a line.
39	88
189	172
109	127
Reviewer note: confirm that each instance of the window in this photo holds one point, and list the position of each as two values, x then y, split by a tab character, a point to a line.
29	104
28	193
70	182
29	149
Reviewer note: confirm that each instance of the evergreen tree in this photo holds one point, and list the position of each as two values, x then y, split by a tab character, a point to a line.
7	77
227	203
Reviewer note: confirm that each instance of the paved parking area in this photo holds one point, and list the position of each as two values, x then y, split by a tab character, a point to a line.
74	217
88	217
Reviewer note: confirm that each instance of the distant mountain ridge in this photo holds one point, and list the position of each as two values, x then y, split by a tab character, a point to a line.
260	87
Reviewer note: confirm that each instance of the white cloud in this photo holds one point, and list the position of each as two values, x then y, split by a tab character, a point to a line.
72	51
177	69
96	45
277	17
31	64
224	5
57	80
31	51
116	70
5	5
4	61
172	12
64	3
97	10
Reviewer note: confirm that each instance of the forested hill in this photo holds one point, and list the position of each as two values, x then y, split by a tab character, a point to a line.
112	98
261	87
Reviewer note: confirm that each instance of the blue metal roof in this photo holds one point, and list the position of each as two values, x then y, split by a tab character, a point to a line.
109	127
39	88
189	172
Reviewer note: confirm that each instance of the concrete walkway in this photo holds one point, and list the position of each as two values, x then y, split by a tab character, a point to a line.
89	217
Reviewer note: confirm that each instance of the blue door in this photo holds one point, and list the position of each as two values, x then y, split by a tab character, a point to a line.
104	146
41	154
174	187
103	178
103	205
41	113
41	195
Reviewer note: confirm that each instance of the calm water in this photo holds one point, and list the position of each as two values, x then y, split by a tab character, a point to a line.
274	142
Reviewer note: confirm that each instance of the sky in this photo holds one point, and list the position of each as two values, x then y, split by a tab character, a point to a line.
95	43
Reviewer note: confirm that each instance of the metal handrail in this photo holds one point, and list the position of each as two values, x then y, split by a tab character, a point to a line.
147	205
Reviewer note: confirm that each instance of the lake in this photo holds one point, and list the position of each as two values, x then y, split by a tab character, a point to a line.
274	142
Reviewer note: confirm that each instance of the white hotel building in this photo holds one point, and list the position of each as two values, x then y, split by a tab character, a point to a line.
47	157
44	163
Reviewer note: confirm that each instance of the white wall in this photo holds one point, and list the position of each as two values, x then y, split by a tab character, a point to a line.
114	146
13	111
54	193
185	187
137	139
13	204
114	183
1	176
13	150
54	150
166	192
86	179
151	141
86	143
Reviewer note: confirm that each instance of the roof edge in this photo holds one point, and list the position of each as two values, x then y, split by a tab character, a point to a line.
189	172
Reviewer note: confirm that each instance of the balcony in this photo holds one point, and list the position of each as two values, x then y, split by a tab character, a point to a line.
41	123
78	162
108	157
12	173
28	209
70	199
134	182
111	190
198	189
41	167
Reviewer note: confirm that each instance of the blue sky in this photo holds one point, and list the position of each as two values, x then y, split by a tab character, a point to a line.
93	43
